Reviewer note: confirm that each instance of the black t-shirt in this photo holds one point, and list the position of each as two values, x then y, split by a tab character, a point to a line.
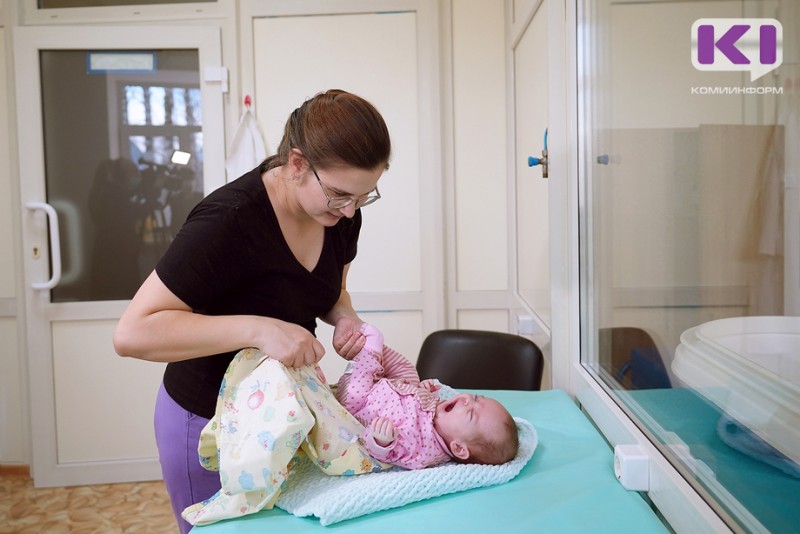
230	258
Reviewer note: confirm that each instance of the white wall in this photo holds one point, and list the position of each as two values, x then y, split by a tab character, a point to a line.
13	441
478	175
13	437
479	135
474	209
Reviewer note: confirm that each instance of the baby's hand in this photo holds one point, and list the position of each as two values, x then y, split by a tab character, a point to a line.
383	431
430	384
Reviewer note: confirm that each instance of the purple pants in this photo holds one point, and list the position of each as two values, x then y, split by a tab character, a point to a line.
177	434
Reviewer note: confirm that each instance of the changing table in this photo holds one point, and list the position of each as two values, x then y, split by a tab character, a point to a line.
568	486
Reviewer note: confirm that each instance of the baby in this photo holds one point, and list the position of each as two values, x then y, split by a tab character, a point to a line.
408	425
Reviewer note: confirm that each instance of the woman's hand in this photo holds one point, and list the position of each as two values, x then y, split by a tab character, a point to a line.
292	345
347	337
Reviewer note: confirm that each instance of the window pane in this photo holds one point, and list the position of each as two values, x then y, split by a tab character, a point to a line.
157	101
197	150
135	112
179	106
195	107
114	185
692	321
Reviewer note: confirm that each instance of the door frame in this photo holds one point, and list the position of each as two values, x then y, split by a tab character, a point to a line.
39	312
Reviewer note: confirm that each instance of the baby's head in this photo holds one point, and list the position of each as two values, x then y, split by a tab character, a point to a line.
477	429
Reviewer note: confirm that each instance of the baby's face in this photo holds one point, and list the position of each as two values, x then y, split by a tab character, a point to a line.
467	416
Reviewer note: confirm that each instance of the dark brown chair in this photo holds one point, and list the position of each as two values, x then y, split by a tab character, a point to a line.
478	359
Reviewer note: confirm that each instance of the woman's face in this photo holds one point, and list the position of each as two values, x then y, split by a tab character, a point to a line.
335	183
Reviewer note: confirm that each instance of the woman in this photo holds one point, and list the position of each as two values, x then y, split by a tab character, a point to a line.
254	265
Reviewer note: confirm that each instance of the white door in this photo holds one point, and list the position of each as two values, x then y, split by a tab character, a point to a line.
387	58
102	113
537	43
530	124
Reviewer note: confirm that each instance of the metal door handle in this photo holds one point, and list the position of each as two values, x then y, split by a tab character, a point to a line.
55	244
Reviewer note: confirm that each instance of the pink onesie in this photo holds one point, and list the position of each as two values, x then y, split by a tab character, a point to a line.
381	382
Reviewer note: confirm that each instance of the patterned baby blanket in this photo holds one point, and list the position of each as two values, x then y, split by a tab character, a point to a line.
278	435
268	417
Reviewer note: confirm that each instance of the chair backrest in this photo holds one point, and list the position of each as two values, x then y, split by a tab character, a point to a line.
631	356
478	359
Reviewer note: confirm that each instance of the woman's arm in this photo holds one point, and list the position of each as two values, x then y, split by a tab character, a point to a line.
158	326
347	337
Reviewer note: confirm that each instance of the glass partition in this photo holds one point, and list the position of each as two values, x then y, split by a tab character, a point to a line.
690	168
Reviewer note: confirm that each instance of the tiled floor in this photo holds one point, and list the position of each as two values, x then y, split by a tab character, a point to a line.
141	507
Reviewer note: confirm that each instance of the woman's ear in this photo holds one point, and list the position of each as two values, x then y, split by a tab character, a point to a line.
297	163
459	449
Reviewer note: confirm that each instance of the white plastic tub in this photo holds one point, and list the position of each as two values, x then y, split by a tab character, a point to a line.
750	368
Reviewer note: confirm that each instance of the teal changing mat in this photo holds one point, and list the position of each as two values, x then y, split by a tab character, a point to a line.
568	485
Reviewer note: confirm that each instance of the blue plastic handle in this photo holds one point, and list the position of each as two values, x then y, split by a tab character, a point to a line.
532	161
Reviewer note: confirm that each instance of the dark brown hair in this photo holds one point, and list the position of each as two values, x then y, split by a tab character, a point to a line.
335	129
496	450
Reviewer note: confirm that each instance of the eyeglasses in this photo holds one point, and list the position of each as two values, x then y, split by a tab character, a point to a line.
336	203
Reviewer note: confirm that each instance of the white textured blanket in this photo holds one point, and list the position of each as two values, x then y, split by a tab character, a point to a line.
310	492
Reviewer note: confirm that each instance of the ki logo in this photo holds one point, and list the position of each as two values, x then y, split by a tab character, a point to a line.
754	45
